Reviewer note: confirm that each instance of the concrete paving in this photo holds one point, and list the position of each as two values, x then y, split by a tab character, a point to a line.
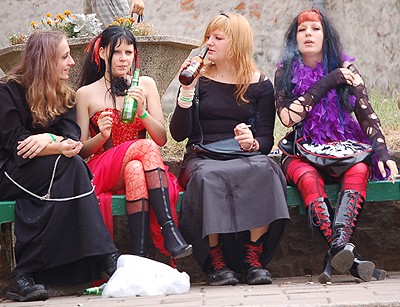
300	291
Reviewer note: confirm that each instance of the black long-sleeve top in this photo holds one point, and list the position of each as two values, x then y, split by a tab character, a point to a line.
220	112
16	122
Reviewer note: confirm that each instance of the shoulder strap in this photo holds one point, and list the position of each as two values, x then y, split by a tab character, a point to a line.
197	109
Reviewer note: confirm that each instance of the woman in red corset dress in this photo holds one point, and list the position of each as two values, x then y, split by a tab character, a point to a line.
121	158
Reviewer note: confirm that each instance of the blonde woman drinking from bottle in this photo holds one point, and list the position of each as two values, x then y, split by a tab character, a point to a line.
233	211
120	156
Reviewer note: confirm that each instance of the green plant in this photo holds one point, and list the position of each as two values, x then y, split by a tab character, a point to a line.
172	150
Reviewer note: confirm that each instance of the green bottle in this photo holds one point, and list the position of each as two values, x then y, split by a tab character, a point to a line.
130	104
94	290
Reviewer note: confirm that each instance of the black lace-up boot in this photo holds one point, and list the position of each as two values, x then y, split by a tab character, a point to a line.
362	269
23	288
347	211
252	271
320	215
216	271
159	200
326	275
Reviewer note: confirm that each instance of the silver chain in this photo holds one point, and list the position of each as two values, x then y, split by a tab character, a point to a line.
47	196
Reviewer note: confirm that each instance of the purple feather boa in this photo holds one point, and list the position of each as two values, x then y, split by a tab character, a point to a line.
328	120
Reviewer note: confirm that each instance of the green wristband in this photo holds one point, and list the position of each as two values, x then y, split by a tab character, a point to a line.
143	115
53	137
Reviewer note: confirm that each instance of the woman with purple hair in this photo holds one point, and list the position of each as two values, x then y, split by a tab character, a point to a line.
317	89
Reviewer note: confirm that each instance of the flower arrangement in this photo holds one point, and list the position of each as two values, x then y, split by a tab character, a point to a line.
81	26
137	28
75	25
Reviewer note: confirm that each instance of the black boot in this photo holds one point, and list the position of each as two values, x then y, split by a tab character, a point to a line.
349	207
252	270
362	269
320	215
139	226
216	271
379	274
23	288
108	264
159	200
326	275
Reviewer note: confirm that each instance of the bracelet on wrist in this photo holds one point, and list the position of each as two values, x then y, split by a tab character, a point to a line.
144	115
187	92
186	99
184	104
53	137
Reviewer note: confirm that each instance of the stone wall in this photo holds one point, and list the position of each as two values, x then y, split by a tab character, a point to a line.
368	29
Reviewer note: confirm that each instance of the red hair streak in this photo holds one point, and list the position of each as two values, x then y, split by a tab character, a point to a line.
309	15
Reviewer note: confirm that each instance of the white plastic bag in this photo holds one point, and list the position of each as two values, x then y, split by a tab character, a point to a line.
138	276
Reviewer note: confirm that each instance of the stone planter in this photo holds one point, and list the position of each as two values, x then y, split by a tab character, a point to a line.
160	57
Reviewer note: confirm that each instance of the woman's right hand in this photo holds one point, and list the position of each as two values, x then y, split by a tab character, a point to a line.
105	123
193	84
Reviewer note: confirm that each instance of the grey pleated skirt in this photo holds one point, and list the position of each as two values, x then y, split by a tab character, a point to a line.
231	196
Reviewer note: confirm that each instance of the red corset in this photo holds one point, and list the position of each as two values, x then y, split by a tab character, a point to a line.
120	132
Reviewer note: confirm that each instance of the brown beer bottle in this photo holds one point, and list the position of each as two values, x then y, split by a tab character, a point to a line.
190	73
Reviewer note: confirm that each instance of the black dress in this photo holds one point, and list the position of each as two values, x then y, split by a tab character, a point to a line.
58	241
230	197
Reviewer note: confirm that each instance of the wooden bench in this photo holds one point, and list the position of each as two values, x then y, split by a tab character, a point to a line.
376	191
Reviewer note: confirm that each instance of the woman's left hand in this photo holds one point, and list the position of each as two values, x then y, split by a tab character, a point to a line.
392	167
33	145
244	136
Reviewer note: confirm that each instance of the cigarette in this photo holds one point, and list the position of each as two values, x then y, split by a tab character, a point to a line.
396	176
249	126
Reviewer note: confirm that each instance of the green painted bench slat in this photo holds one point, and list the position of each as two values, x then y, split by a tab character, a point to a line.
7	211
376	191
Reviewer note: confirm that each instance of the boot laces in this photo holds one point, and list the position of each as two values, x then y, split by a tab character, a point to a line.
319	217
253	255
217	258
352	211
25	280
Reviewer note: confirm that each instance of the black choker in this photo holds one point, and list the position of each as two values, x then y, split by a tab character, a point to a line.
120	86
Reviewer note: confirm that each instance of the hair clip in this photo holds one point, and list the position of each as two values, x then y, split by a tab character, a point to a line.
223	14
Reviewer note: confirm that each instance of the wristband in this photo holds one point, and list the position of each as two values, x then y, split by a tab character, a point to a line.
53	138
144	115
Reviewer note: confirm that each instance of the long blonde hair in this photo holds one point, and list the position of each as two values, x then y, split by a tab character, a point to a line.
240	50
47	95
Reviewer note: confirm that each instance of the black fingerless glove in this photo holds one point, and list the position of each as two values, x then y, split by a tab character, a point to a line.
331	80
